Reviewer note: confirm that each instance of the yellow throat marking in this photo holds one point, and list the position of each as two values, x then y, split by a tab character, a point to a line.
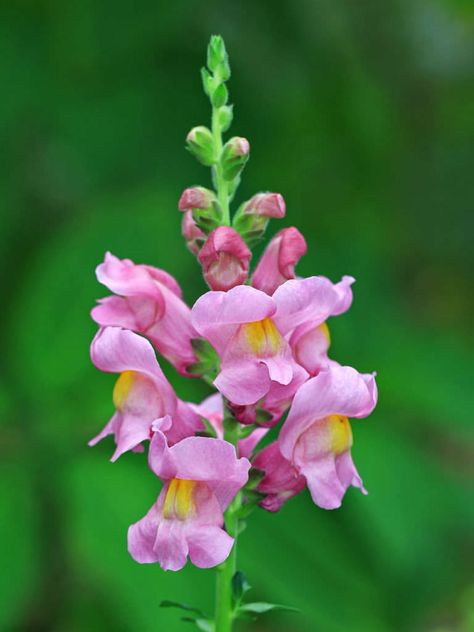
179	502
340	433
122	388
262	337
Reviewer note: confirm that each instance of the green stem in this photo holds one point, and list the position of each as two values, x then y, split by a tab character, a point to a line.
224	611
221	184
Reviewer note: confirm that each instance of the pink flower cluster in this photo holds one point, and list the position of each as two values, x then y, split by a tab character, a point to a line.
272	341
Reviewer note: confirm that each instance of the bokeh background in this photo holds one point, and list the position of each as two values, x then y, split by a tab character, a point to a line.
361	114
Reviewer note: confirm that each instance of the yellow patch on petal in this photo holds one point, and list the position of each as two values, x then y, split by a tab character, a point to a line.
122	388
262	337
324	329
340	433
179	502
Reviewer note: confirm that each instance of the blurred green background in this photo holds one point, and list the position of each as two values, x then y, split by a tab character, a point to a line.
362	115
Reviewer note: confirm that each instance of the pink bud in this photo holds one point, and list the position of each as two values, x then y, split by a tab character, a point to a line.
224	259
192	233
266	205
240	146
195	197
278	261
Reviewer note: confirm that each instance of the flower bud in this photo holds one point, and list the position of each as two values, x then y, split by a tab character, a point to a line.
266	205
193	235
234	156
278	261
196	197
224	259
252	218
201	144
217	58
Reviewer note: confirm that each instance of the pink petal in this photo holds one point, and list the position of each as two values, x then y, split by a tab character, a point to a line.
115	311
324	485
209	546
302	300
243	382
171	546
141	537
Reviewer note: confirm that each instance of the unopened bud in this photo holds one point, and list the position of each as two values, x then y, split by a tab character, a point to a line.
224	259
196	197
266	205
234	156
217	58
279	259
225	116
193	235
252	218
201	144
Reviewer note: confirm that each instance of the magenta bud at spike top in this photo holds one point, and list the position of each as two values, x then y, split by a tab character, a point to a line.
224	259
266	205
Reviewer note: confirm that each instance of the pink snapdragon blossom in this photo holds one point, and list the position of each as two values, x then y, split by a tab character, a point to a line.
253	353
279	259
148	302
212	409
282	480
141	394
316	437
201	476
193	235
249	331
224	259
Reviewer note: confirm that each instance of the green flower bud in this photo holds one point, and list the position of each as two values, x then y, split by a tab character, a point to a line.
201	144
217	58
225	117
219	96
234	156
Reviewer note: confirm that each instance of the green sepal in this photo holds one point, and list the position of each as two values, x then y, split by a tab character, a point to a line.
246	431
255	477
209	431
262	416
229	424
207	359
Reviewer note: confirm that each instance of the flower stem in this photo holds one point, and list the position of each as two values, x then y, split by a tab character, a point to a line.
220	184
224	610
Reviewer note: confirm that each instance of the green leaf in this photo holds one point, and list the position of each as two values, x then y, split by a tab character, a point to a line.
206	625
166	603
260	607
240	586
